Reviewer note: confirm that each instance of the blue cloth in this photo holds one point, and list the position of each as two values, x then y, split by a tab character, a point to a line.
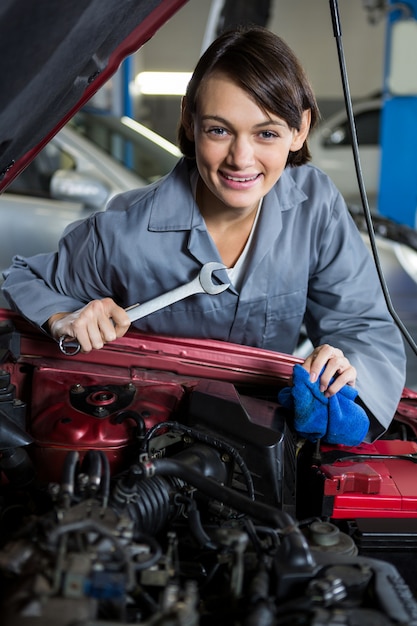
335	420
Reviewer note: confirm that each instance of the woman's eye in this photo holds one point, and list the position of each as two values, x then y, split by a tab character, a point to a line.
218	131
268	134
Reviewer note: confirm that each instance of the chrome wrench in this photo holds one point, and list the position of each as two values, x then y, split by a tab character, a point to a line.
202	283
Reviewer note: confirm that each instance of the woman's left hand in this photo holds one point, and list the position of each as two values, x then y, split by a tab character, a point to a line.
335	365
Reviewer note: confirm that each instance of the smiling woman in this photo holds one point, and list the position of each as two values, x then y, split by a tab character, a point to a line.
240	154
244	195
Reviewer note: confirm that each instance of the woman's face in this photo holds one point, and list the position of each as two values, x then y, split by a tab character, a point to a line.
241	151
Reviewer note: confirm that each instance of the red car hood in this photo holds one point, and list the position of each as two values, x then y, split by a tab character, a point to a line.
55	56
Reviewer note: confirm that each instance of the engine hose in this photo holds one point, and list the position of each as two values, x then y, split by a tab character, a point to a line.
153	558
105	484
68	473
152	503
91	465
294	544
250	529
97	466
219	444
196	527
149	504
87	526
133	415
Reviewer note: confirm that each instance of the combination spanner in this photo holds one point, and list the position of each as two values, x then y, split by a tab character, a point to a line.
202	283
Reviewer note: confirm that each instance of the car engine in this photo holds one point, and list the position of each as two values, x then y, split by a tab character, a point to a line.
141	496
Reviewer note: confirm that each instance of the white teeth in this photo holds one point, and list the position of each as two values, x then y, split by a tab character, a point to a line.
241	180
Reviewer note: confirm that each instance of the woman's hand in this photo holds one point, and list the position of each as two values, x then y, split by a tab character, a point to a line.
97	323
335	365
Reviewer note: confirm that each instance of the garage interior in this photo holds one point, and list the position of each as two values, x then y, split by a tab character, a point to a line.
150	451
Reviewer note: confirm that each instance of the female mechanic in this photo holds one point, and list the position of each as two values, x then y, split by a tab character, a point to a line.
245	195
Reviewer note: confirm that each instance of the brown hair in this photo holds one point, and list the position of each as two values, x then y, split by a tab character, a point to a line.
263	65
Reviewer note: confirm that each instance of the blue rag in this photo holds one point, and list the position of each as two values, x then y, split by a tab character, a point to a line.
335	420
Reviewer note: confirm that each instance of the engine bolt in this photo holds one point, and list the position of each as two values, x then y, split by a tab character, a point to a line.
100	411
78	388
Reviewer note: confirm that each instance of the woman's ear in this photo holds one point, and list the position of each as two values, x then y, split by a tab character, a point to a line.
187	120
301	135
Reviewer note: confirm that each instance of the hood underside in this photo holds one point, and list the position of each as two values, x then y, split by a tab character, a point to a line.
56	55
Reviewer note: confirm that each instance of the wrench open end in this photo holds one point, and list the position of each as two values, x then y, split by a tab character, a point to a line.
206	278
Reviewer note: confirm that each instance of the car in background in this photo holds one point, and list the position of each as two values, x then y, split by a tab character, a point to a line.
331	149
68	179
73	177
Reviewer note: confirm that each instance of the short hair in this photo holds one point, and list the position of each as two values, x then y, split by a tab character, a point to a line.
265	67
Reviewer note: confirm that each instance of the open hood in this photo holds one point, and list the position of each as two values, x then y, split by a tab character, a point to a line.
55	56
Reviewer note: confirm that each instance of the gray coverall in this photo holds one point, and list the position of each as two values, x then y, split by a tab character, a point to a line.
308	265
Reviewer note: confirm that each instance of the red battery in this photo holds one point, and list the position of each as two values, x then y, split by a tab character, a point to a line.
370	480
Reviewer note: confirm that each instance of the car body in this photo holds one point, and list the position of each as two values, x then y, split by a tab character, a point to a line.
331	149
69	179
159	480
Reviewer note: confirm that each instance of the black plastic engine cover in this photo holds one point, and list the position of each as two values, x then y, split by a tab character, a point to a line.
257	428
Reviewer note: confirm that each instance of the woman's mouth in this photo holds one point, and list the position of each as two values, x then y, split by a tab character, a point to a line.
240	179
237	182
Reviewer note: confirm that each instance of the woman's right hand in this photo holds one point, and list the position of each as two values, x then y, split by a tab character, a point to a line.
97	323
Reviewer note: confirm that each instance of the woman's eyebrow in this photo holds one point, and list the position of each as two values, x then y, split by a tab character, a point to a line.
268	122
215	118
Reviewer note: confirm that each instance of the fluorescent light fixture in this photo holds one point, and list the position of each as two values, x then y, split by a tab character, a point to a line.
151	136
162	83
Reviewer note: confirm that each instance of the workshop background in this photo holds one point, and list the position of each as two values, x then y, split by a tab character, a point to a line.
305	25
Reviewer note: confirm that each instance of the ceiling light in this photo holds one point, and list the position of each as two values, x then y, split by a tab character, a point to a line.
162	83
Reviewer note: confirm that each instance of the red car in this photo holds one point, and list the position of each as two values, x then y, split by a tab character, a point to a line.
158	480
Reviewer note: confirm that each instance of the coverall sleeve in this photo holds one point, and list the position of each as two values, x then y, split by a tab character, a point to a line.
347	309
44	284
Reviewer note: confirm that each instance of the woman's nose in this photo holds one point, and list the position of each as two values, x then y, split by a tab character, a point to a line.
241	153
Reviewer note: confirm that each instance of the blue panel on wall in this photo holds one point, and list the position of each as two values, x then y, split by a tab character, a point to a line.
398	182
397	198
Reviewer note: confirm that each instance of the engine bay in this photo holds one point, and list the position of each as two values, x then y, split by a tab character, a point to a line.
159	482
